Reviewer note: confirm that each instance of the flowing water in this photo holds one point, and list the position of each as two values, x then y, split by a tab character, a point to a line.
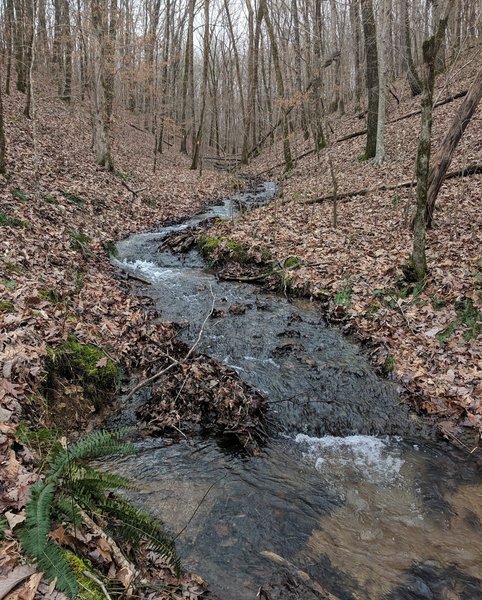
349	491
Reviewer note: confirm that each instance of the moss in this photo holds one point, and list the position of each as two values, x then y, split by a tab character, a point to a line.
8	221
471	317
80	242
98	375
236	251
20	195
389	364
292	262
372	309
207	244
111	249
88	588
77	200
6	306
444	336
50	295
10	284
266	255
343	298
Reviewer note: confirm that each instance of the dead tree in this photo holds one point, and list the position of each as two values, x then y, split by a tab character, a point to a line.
444	156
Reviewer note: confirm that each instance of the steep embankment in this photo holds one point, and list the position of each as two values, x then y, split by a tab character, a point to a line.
427	337
57	285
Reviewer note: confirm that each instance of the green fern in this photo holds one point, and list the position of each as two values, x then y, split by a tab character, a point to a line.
95	445
71	486
37	523
136	526
36	543
64	506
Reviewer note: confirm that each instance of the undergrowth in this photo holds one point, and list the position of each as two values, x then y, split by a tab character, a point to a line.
71	488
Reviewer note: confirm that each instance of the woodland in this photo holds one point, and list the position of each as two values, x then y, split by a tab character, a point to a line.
118	116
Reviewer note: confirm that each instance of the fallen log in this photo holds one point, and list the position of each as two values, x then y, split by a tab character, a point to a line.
464	172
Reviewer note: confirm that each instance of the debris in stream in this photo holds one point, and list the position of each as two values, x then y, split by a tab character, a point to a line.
202	396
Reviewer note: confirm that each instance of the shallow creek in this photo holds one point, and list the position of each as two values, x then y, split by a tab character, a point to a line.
349	490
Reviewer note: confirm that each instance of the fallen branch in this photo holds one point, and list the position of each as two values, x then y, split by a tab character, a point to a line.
116	552
174	362
132	191
464	172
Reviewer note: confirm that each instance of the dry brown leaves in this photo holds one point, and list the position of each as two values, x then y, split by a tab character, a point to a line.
55	276
436	356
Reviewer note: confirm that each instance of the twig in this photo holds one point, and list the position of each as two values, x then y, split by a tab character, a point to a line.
133	192
98	582
199	506
117	554
175	362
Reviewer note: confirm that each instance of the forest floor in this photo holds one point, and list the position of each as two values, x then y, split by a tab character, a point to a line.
57	282
427	336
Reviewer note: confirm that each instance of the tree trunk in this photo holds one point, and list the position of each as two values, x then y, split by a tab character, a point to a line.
199	136
430	49
412	75
20	42
100	117
370	33
279	85
9	40
29	32
382	81
185	78
67	38
355	26
298	74
3	158
444	156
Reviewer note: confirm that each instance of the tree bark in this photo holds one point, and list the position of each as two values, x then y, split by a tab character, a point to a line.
369	30
3	158
430	50
199	136
412	75
382	82
279	85
444	156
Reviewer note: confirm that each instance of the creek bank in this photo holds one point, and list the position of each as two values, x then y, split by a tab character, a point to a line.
335	479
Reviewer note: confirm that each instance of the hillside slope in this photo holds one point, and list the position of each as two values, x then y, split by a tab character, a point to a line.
428	338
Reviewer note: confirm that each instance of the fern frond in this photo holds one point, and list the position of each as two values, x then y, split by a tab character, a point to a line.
36	543
134	525
94	445
54	565
34	531
66	506
104	480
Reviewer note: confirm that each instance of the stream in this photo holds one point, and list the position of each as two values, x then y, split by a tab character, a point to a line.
350	490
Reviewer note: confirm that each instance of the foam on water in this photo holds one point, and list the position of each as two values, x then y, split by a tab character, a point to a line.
374	459
149	269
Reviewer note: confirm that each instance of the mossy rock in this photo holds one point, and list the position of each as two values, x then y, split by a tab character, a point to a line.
207	244
228	250
88	588
88	366
292	262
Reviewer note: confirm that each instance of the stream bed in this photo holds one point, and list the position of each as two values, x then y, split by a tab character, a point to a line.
350	490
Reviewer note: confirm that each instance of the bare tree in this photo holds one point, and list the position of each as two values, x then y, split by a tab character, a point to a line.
3	158
431	47
370	34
